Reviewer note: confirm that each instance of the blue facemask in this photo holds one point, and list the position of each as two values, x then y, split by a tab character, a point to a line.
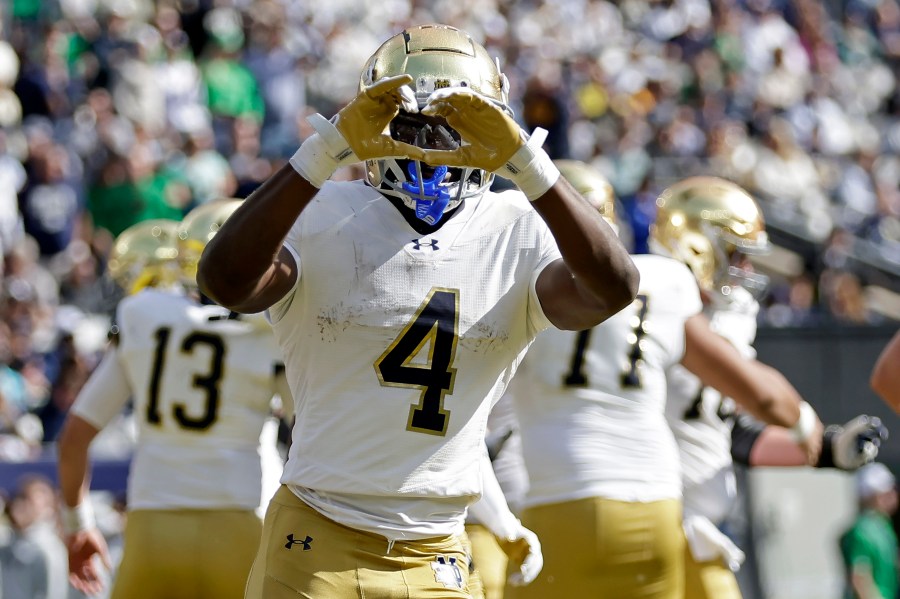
431	198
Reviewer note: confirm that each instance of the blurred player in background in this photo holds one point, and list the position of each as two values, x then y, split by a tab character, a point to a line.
711	225
604	492
504	447
403	304
201	379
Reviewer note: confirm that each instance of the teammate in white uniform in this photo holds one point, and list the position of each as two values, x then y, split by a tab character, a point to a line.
711	224
201	380
403	305
504	444
604	489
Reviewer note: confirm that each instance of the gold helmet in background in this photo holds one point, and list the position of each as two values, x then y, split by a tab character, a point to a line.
710	224
436	57
145	255
199	226
590	183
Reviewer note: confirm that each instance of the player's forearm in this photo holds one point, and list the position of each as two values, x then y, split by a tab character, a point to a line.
73	460
776	446
770	406
244	253
750	383
604	273
885	377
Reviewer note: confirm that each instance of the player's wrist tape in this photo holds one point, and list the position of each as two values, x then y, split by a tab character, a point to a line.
321	153
80	517
806	424
531	168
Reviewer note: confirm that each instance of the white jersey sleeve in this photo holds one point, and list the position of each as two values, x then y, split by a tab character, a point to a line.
694	413
105	393
590	404
202	380
396	345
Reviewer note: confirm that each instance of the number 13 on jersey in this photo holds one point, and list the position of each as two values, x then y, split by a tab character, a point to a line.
435	324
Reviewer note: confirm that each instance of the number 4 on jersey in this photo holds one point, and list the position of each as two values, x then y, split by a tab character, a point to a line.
436	324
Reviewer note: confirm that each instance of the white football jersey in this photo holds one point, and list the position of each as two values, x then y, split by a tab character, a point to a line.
704	438
201	382
590	404
396	345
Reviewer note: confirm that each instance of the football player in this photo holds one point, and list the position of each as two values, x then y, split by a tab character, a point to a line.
504	445
201	380
712	225
604	491
402	304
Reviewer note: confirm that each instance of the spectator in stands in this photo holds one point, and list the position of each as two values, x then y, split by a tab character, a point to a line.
869	547
33	559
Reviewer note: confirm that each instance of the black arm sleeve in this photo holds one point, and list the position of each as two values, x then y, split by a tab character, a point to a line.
826	457
744	433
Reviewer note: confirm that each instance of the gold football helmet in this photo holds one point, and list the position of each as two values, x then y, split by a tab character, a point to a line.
145	255
595	188
436	57
710	224
199	226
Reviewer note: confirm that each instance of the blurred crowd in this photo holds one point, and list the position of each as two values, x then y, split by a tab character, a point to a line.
117	111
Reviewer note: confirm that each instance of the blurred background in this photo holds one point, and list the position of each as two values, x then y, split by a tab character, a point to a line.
117	111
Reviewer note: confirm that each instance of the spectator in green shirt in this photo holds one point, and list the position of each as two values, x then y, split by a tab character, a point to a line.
869	547
232	90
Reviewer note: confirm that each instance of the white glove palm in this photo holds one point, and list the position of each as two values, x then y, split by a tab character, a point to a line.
857	442
524	552
520	545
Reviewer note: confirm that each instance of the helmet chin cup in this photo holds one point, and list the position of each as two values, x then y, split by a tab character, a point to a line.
431	199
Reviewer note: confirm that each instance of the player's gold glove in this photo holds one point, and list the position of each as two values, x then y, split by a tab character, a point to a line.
493	141
357	131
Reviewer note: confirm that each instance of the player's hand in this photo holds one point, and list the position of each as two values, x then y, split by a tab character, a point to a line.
363	122
493	141
86	548
524	552
357	131
491	136
857	442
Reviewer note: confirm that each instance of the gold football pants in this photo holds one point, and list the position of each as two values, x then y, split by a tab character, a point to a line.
304	554
489	560
708	580
598	548
187	554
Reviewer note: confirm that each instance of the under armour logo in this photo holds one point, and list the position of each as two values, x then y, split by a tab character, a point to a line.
307	542
418	244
